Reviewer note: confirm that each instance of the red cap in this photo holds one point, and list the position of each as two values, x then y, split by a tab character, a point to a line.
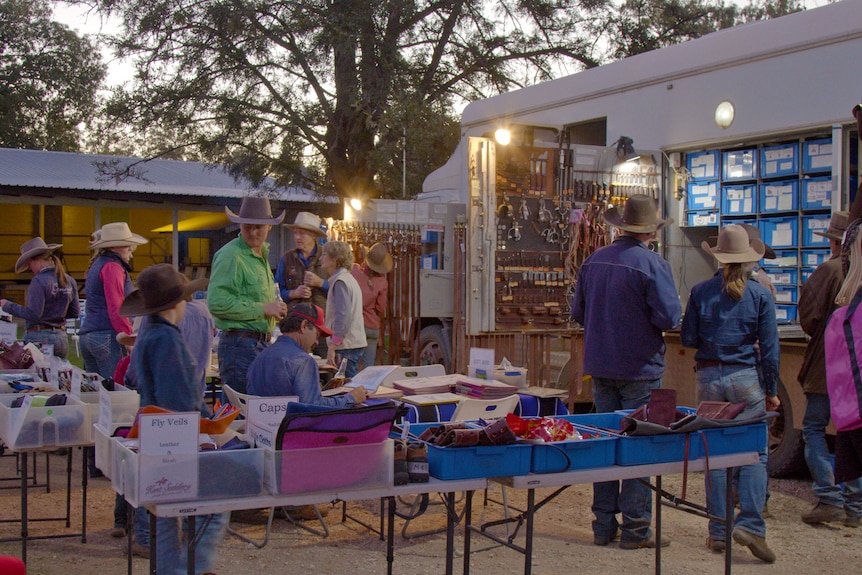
314	314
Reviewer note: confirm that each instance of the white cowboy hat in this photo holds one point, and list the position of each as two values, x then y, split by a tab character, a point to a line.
733	246
116	235
307	221
32	248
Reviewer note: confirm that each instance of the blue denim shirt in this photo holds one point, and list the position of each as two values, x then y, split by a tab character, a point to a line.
284	368
165	369
625	298
729	331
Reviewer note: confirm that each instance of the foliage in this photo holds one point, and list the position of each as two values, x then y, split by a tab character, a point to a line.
49	77
326	93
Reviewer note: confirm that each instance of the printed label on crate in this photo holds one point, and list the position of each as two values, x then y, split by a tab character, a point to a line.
169	433
819	154
740	200
783	234
703	196
703	165
168	477
781	278
779	160
784	296
778	197
267	411
818	192
739	165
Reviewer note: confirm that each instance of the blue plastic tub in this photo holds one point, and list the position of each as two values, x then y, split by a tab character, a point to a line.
582	453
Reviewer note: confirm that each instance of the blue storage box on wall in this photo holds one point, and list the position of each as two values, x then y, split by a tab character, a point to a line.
785	313
699	219
813	258
778	161
817	155
780	233
780	196
703	165
739	165
783	259
816	193
739	200
786	294
805	273
702	195
782	276
811	224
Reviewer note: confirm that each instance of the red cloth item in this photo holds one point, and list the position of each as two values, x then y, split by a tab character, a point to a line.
12	566
122	368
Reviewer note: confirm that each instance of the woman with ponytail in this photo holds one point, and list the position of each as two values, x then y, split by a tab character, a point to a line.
726	319
52	297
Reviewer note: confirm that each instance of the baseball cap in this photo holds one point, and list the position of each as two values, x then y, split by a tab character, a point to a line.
313	314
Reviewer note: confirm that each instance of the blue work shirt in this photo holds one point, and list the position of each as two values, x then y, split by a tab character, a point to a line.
283	369
729	331
625	298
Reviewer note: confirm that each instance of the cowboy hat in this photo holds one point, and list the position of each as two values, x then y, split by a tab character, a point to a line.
32	248
254	210
837	226
116	235
160	287
307	221
734	247
638	216
754	234
312	314
377	258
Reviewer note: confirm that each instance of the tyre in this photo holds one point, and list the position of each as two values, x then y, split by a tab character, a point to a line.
434	347
786	446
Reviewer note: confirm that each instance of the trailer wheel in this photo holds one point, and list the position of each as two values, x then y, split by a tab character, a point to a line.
434	347
786	446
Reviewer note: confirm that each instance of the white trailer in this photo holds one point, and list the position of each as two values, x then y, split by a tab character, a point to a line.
760	111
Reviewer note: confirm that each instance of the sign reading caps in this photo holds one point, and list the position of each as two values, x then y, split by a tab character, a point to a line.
264	415
168	461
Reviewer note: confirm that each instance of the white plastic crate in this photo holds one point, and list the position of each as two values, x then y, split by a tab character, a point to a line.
47	427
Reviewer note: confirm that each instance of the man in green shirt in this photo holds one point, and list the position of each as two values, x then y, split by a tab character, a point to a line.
241	294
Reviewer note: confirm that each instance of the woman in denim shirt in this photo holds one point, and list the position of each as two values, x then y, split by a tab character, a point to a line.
726	319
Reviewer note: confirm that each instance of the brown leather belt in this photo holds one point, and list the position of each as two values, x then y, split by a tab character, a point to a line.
711	363
249	334
44	328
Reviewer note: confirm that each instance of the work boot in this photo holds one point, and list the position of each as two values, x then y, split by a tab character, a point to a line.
645	544
716	545
851	520
602	541
755	543
138	550
823	513
402	477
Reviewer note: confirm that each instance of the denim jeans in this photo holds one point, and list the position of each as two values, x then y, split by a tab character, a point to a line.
817	413
235	354
101	352
141	527
369	354
736	384
631	499
56	337
171	552
353	356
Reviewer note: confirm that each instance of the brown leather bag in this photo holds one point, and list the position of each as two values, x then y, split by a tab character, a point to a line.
14	356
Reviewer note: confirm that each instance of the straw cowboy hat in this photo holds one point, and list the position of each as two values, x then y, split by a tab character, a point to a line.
116	235
377	258
159	287
254	210
307	221
639	216
734	247
32	248
837	226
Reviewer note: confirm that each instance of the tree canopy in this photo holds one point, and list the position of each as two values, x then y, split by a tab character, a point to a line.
49	78
329	92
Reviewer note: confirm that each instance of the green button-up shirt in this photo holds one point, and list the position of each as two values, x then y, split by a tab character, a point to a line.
241	283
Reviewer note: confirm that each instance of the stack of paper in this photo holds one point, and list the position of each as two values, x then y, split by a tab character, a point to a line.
432	398
425	385
484	388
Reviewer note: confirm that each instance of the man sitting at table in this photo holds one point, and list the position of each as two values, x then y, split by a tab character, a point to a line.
287	367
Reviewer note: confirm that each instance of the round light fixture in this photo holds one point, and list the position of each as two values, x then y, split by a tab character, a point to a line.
724	113
503	137
356	204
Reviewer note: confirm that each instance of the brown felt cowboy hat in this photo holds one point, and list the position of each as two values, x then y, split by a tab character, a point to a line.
377	258
837	226
31	249
639	216
116	235
734	247
159	287
254	210
308	222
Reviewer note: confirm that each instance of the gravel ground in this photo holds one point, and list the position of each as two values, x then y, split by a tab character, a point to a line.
563	539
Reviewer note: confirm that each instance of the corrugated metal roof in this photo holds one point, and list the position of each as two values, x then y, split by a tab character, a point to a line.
73	171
